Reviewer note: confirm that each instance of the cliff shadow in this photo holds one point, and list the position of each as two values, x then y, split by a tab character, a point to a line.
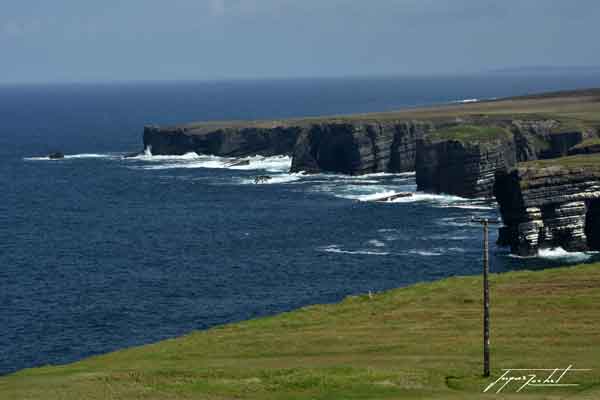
592	225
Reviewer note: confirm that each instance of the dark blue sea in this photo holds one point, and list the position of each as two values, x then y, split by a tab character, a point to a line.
99	253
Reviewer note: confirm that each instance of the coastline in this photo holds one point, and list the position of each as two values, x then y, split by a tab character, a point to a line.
471	150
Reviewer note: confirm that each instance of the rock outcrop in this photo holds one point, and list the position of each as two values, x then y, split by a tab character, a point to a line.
463	159
550	204
358	148
230	142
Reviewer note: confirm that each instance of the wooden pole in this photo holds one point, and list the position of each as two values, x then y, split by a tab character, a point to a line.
486	294
486	302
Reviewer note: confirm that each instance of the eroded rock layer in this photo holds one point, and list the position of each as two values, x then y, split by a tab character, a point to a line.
358	148
462	169
230	142
550	204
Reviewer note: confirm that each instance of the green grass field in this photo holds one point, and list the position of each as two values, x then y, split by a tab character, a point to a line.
586	161
420	342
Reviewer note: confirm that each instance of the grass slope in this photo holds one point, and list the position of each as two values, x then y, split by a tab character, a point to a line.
420	342
586	161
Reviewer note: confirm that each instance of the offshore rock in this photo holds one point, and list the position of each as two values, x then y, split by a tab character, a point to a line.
550	204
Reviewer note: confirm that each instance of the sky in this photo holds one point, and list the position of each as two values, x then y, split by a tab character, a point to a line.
122	40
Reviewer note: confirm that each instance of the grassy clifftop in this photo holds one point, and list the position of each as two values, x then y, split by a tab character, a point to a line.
575	108
472	134
586	161
419	342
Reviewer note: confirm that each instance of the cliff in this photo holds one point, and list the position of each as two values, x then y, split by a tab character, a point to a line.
550	203
358	148
459	157
455	149
463	159
226	141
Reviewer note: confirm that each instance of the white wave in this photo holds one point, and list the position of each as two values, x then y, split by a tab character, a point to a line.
72	156
336	249
385	174
276	179
89	155
270	164
193	160
37	158
376	243
373	196
361	178
464	101
425	253
468	206
459	222
420	197
148	156
559	254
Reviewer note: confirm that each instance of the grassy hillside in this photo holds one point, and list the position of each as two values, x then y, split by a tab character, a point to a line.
420	342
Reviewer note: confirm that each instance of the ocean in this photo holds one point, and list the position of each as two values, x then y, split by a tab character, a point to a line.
99	253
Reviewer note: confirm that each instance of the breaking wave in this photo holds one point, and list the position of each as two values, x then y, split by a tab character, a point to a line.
443	199
376	243
336	249
560	254
275	179
194	160
465	101
425	253
73	156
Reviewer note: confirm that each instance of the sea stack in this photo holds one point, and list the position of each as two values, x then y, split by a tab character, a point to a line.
551	203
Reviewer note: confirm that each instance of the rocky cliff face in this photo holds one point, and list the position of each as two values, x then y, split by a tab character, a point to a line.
464	161
550	204
357	148
444	165
544	139
231	142
461	168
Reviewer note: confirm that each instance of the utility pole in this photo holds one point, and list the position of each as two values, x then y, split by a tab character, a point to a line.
486	293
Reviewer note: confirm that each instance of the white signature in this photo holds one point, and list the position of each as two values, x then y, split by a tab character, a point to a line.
523	378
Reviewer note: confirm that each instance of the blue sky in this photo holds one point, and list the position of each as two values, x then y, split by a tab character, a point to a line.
108	40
